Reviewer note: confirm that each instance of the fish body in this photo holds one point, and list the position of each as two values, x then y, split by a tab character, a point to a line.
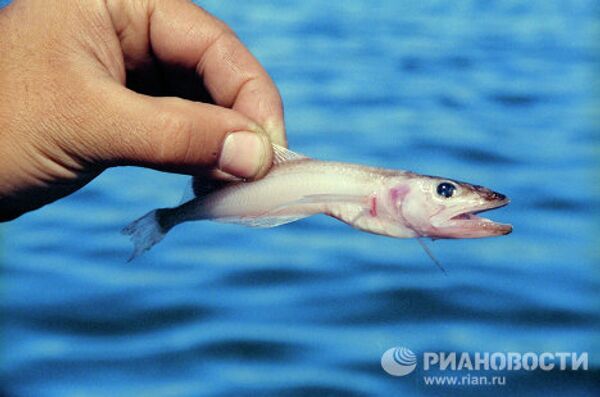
394	203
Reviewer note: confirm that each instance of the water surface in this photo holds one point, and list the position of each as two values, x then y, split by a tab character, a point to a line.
496	93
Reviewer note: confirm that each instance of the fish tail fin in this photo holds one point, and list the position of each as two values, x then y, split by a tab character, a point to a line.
145	232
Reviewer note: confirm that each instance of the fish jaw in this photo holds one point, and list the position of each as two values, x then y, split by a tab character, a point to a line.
466	222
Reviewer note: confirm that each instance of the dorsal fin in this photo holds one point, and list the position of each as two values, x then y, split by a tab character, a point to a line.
281	155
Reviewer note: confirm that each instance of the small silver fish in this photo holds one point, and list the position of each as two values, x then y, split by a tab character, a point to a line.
399	204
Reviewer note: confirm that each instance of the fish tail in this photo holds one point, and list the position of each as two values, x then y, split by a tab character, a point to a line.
146	231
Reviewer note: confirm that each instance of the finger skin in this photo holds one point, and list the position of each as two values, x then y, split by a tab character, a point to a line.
181	33
170	134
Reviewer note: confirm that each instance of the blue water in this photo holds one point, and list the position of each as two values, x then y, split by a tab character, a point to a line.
502	94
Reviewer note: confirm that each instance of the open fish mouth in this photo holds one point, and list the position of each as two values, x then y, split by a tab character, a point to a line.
468	224
473	215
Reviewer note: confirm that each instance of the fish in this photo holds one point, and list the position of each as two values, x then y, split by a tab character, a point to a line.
400	204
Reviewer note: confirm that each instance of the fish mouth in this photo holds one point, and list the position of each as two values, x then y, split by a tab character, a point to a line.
468	224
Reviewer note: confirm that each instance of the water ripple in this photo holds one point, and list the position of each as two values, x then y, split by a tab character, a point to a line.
494	93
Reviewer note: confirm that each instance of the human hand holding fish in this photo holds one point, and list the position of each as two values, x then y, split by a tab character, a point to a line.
88	85
127	89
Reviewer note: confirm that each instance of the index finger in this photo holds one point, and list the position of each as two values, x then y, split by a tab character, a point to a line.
184	34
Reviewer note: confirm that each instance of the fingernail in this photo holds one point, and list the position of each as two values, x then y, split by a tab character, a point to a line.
243	154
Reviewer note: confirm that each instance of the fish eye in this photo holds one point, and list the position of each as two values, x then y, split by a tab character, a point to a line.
446	189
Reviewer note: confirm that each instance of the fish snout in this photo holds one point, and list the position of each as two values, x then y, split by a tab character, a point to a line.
488	194
497	196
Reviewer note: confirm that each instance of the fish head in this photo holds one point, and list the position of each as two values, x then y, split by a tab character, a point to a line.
442	208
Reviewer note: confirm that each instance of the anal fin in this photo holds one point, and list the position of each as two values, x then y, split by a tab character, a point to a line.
263	222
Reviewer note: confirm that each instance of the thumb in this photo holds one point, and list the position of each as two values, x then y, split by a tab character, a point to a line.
177	135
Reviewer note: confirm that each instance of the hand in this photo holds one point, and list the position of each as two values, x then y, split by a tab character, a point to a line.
87	85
